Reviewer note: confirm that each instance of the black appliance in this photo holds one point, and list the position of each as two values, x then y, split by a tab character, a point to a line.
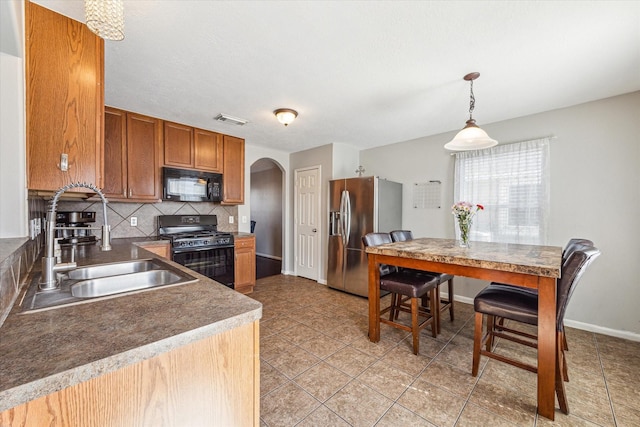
182	185
77	228
197	244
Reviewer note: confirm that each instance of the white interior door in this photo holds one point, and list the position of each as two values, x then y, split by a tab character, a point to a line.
307	222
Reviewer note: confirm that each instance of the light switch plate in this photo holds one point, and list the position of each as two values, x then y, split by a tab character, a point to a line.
244	219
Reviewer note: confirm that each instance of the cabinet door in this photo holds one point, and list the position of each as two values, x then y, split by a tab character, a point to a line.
178	145
245	264
208	150
144	136
233	170
115	153
64	100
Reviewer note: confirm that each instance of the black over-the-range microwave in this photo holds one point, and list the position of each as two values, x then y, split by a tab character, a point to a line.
182	185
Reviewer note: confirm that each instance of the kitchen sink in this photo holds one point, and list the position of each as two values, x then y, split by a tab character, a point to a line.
108	285
94	282
115	269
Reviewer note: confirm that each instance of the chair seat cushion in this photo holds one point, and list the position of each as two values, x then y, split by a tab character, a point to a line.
407	284
441	277
509	302
531	290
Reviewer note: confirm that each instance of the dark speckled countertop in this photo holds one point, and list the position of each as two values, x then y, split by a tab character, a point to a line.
528	259
43	352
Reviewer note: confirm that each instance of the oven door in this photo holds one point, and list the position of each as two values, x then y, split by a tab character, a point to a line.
215	263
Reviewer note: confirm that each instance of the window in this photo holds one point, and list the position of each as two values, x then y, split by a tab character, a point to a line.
512	183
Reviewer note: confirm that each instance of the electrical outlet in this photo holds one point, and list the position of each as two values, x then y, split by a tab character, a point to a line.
134	221
244	219
231	219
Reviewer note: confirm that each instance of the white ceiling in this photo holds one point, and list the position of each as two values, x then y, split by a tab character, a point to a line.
365	73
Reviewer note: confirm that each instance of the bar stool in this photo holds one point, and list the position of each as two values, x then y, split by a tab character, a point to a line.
412	286
447	304
519	305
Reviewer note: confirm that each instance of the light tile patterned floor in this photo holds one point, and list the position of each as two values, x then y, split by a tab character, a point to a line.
318	368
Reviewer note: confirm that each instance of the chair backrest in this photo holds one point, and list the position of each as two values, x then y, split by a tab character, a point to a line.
572	245
401	235
376	239
572	270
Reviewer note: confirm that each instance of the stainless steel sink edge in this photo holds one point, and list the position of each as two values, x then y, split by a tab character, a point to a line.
35	300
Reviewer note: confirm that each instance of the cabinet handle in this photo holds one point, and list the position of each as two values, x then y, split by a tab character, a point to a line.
130	192
124	193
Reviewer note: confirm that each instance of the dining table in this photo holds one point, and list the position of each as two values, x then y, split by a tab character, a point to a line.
530	266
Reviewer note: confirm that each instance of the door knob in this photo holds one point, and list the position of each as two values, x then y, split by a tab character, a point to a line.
315	230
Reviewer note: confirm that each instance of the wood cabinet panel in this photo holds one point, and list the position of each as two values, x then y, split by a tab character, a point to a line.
144	138
214	381
115	153
178	145
208	150
245	264
233	170
64	100
160	248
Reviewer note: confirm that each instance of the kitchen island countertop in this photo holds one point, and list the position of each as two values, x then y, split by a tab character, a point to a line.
43	352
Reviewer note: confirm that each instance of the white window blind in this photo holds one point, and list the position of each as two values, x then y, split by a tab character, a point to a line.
512	183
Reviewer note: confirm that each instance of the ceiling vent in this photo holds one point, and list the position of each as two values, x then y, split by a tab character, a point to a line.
230	119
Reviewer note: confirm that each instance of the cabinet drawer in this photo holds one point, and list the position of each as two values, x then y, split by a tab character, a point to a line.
245	242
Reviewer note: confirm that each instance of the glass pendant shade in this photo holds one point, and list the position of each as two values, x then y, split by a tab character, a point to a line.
470	138
105	18
286	115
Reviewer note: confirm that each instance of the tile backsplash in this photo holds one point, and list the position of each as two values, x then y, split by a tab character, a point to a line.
119	214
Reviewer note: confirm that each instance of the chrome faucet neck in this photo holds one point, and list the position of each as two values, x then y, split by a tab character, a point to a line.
49	261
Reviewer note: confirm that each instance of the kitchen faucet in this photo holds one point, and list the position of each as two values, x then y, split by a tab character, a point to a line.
49	262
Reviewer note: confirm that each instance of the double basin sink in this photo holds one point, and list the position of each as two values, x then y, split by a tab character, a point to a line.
103	280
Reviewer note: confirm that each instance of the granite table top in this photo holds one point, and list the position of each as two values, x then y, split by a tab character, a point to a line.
517	258
43	352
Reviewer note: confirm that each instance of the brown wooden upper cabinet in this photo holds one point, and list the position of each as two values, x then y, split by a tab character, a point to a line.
191	148
132	156
64	100
233	171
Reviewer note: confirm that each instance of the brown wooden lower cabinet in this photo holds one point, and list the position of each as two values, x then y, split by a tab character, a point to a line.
211	382
160	248
245	264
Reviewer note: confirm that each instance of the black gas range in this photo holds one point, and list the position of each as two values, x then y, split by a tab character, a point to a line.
197	244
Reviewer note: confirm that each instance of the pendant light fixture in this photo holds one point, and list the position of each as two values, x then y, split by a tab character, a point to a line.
105	18
471	137
285	115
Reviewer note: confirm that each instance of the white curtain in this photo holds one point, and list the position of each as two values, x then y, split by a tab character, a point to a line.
511	181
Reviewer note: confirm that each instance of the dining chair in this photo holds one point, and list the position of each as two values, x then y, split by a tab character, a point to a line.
520	305
571	246
414	287
443	304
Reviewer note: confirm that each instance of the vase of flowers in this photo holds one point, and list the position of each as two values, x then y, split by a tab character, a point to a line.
464	213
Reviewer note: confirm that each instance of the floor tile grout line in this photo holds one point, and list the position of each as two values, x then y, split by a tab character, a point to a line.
606	383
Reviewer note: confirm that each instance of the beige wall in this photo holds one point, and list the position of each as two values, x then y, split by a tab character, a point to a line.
595	193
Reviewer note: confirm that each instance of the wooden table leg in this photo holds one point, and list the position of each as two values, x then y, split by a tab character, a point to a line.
546	346
374	299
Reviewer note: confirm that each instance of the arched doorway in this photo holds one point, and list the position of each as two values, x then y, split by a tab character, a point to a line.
267	216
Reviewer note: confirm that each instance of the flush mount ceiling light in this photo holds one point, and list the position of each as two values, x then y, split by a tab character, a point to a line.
471	137
227	118
105	18
285	115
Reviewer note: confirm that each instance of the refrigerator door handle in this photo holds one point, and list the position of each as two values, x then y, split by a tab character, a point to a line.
342	218
348	217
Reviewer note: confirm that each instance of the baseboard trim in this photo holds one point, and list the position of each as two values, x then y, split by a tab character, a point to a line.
631	336
277	258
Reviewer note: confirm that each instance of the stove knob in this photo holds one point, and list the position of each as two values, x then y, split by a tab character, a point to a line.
190	243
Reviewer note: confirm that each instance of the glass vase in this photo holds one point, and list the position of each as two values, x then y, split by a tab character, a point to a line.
465	227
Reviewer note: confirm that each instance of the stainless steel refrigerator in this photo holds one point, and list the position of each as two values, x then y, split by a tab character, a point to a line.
358	206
